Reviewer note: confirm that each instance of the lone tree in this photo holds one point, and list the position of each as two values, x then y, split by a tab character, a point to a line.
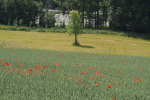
74	26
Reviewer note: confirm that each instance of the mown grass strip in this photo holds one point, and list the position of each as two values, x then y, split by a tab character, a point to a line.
90	43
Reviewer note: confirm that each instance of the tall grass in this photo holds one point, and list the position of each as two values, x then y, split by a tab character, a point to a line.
31	74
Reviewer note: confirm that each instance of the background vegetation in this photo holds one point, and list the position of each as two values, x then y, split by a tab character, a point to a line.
126	15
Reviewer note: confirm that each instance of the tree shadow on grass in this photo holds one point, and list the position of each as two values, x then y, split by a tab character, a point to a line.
84	46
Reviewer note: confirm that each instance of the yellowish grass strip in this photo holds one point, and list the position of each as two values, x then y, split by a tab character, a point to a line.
90	43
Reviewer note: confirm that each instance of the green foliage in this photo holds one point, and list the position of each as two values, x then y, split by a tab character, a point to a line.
106	69
27	29
47	19
74	26
25	10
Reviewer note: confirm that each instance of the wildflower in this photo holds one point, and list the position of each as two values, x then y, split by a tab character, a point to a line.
30	70
79	75
37	71
9	70
91	68
14	68
98	83
84	67
109	86
1	60
75	64
119	69
92	77
83	72
53	70
20	65
3	63
18	69
114	98
79	82
97	72
101	68
43	67
15	72
100	75
4	68
142	67
7	64
17	60
70	78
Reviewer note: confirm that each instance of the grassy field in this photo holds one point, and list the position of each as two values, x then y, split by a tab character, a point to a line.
31	74
45	66
90	43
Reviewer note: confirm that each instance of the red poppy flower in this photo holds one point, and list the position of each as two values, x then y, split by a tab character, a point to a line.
98	83
79	82
30	70
9	70
92	77
20	65
4	68
100	74
1	60
84	67
17	60
83	72
109	70
17	68
14	68
119	69
7	64
97	72
142	67
43	67
91	68
53	70
109	86
114	98
3	63
15	72
70	78
37	70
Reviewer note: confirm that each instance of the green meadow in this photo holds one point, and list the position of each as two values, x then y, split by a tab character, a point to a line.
45	66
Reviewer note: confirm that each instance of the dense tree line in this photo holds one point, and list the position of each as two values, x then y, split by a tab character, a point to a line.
126	15
25	13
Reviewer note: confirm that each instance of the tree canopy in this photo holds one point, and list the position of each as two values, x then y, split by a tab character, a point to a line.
74	27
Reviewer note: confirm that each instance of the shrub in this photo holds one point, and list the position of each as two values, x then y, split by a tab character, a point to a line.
23	29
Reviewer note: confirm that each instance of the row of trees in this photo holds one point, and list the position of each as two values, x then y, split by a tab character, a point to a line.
25	13
131	15
124	15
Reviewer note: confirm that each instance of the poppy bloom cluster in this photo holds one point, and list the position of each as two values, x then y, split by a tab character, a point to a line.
137	79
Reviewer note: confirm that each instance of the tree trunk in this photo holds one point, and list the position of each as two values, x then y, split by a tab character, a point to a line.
76	42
